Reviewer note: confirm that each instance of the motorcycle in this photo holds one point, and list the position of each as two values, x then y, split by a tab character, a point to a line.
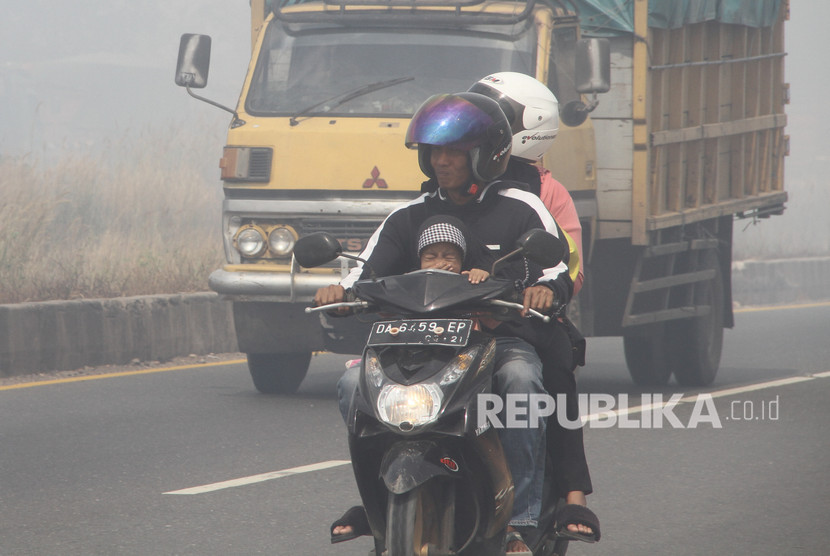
431	474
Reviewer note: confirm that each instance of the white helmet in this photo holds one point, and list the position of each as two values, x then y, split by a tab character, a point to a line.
530	107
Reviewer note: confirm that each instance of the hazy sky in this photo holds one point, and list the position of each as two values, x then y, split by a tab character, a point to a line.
120	55
71	73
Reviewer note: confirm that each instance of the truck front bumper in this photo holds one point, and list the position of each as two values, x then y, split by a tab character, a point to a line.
269	311
267	286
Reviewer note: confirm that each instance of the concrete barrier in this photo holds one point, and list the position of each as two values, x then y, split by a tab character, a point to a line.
66	335
797	280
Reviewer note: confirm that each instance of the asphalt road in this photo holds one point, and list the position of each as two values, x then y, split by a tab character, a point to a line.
110	466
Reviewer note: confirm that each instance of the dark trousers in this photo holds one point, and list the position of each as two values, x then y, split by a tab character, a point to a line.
565	446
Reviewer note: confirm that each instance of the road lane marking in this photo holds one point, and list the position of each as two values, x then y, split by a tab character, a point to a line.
242	481
752	387
715	394
782	307
261	477
118	374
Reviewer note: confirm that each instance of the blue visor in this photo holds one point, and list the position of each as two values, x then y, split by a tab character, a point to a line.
448	120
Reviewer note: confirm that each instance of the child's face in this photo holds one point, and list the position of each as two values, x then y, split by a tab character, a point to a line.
443	256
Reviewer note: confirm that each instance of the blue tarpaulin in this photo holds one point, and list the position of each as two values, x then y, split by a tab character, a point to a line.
607	18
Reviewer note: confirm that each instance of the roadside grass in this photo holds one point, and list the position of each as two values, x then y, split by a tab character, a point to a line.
140	215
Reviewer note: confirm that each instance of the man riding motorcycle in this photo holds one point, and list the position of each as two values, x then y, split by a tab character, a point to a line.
464	142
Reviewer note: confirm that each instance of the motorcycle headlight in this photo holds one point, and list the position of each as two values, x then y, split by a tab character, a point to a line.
281	241
250	241
407	407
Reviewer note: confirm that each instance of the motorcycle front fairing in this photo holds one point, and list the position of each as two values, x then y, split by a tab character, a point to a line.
429	291
451	448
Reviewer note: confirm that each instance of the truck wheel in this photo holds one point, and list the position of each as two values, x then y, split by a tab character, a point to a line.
278	373
646	357
697	343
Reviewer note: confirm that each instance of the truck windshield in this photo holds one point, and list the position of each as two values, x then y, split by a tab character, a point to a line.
295	72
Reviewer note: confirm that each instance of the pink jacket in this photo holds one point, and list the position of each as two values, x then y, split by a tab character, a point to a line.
560	204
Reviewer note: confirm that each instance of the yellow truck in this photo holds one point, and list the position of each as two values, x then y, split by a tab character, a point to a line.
687	136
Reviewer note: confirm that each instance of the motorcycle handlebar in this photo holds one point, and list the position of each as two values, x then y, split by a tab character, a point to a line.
519	307
366	304
330	306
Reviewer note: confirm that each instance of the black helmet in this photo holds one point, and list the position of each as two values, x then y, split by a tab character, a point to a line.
466	121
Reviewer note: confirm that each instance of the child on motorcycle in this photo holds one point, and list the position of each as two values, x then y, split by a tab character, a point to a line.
443	245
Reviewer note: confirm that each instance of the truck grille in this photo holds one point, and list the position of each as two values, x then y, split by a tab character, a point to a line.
353	235
259	166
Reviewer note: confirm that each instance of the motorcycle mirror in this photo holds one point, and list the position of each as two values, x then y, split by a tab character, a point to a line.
317	249
541	247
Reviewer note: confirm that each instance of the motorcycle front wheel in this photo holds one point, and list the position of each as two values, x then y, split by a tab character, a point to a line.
401	515
420	521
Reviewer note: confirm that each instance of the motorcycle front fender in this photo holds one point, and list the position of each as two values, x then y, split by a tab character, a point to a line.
409	464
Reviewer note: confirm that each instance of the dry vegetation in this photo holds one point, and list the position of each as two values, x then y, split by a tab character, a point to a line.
138	216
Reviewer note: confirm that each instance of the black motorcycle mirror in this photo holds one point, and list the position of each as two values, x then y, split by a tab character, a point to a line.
320	248
538	246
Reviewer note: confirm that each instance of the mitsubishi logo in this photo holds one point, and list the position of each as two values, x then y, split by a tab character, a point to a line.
375	180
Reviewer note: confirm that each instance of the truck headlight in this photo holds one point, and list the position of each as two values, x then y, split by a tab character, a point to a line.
250	241
281	241
407	407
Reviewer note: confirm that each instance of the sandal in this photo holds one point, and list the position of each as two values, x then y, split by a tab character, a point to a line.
355	517
574	514
516	536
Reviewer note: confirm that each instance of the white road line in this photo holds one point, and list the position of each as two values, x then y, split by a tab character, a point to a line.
261	477
715	394
592	417
752	387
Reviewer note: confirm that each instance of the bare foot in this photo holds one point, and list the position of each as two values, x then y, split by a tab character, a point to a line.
342	530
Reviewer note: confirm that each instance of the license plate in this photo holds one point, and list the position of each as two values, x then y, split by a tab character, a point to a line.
435	332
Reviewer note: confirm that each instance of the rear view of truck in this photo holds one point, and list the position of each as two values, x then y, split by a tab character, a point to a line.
690	137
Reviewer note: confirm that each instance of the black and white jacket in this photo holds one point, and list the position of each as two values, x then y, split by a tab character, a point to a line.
497	217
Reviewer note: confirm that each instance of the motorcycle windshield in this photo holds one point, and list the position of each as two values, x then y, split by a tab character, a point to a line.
425	291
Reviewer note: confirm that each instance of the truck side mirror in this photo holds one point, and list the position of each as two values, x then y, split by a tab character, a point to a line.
592	60
593	66
194	61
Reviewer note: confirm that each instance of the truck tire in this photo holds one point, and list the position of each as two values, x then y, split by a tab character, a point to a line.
697	342
647	358
278	373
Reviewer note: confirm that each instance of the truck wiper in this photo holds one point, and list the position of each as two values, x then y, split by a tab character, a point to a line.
364	90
